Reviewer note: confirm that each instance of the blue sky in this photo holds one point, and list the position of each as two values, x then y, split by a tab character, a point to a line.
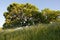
41	4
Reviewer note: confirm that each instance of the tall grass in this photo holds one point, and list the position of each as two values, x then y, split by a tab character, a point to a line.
0	29
35	32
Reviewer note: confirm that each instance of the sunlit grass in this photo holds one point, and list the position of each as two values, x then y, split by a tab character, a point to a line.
35	32
0	29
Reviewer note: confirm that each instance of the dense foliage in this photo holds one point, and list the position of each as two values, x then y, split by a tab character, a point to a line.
19	15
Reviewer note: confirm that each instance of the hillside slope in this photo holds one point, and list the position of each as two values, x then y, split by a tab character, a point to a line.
35	32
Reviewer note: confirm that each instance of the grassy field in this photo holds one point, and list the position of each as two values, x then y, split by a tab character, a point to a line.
35	32
0	29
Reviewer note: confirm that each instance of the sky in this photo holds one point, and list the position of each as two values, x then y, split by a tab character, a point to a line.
41	4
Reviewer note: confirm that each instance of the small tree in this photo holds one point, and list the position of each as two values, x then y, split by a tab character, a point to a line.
19	15
50	15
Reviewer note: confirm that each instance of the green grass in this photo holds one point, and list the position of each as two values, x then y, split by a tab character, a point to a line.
35	32
1	29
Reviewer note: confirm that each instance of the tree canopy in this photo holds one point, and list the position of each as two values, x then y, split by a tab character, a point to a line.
19	15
